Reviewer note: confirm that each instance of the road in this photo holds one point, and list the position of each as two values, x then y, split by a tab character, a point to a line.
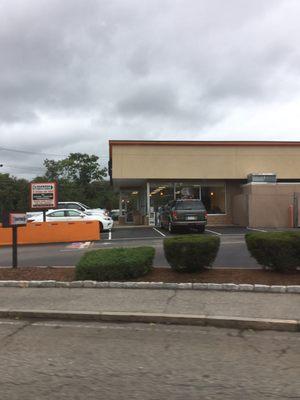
232	253
65	360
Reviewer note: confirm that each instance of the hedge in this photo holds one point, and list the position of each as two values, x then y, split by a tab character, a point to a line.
115	264
191	253
278	251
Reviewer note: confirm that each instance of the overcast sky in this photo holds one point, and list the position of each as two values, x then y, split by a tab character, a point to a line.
76	73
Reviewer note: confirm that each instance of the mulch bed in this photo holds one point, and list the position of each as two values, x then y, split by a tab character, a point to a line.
163	275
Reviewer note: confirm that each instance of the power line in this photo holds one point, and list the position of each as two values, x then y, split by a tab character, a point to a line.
40	153
31	152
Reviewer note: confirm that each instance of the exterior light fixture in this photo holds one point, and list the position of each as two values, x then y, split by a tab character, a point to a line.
211	193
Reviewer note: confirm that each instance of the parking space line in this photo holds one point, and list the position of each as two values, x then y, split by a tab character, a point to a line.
162	234
133	238
214	232
256	229
237	242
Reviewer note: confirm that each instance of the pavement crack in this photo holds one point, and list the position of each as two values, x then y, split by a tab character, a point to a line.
6	339
241	334
283	351
169	299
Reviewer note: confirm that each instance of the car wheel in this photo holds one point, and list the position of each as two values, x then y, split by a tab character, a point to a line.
201	229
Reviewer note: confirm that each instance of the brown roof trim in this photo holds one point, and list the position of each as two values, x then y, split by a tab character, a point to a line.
198	143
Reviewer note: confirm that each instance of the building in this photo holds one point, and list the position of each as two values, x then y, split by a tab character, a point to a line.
255	184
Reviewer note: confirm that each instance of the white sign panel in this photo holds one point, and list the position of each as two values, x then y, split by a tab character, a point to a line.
43	195
16	219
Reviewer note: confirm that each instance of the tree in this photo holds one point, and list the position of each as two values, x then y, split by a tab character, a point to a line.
80	178
14	194
78	168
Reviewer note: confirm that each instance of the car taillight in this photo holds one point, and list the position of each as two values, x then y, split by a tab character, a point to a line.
205	215
174	214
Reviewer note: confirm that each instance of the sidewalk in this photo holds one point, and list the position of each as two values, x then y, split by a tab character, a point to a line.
221	305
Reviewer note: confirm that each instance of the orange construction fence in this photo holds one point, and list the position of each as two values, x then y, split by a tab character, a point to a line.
52	232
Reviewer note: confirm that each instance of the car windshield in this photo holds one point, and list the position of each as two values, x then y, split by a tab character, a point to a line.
189	205
86	207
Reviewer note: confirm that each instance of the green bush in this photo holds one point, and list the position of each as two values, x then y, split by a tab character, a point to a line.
278	251
191	253
115	264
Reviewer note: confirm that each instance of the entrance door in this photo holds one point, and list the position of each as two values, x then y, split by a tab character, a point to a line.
130	206
129	212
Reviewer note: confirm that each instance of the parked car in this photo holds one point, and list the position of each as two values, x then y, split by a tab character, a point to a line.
114	214
66	215
76	205
183	214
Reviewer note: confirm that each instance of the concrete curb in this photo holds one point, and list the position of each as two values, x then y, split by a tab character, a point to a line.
154	285
158	318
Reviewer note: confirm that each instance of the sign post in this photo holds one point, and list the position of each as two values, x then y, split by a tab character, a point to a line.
15	247
43	195
16	220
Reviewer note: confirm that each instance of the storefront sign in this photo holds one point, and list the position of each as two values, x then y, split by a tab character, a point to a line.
17	219
43	195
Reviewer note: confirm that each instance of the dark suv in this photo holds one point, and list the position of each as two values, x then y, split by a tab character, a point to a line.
184	213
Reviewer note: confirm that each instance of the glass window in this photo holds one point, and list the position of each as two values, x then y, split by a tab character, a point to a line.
213	198
187	191
56	214
75	206
84	206
189	205
160	194
73	213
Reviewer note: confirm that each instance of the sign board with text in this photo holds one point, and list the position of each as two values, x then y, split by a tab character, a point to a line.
43	195
17	219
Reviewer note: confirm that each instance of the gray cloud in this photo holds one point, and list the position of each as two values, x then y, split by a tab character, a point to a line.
154	100
76	73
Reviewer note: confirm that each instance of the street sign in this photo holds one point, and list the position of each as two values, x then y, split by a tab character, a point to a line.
17	219
43	195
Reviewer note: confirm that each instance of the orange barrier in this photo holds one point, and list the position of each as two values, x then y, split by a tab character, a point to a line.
52	232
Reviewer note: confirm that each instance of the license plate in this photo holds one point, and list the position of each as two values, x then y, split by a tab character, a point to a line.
191	218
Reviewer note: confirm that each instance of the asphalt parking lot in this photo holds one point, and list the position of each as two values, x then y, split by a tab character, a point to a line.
232	254
131	233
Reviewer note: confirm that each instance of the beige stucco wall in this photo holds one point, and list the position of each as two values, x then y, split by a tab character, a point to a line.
208	162
269	204
265	205
240	210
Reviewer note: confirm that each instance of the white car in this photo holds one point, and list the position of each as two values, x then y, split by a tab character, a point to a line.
66	215
76	205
